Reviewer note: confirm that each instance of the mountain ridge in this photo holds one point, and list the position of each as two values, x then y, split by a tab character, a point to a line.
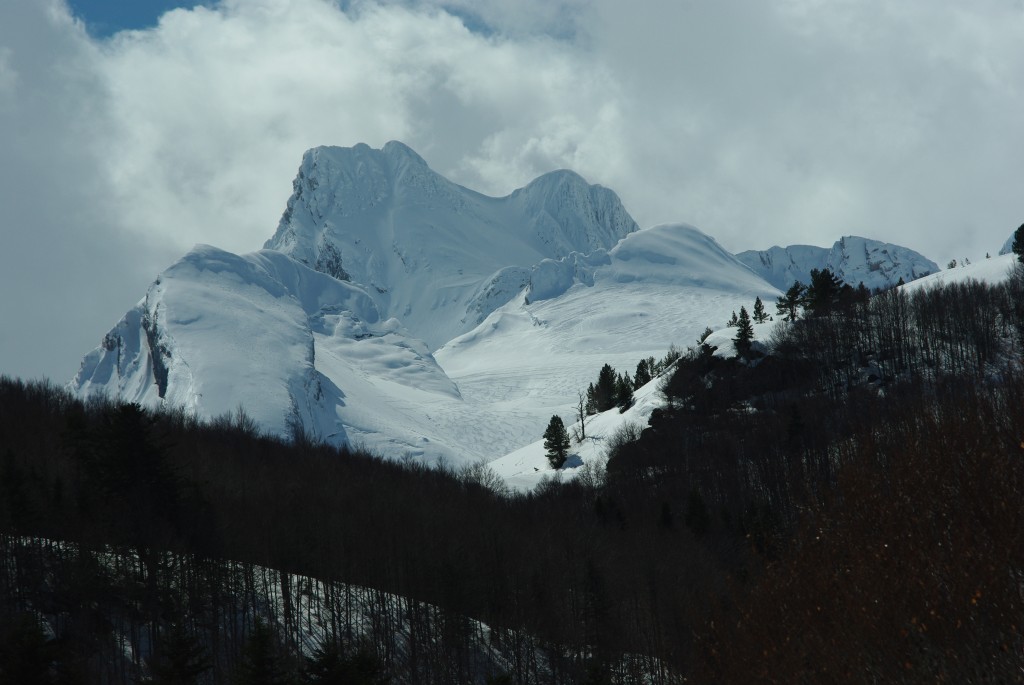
395	310
384	219
876	264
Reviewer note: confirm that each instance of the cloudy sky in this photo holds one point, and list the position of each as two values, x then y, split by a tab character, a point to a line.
129	137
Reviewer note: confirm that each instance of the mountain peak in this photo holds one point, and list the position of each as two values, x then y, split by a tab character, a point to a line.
852	258
428	250
557	177
396	150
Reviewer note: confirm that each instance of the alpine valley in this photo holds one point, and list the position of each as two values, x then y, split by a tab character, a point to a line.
397	311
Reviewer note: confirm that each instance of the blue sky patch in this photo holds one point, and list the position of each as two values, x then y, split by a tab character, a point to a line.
104	18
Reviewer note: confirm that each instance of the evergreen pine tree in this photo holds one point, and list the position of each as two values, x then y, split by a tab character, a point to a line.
823	294
732	321
760	315
788	306
1018	243
605	388
744	334
643	374
556	442
623	392
591	399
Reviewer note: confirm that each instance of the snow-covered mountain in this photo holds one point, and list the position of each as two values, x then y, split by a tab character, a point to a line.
436	255
398	311
292	346
856	260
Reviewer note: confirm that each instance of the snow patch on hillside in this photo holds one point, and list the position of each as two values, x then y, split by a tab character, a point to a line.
722	341
526	467
993	271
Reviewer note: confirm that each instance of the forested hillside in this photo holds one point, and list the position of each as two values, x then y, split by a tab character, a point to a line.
849	508
171	518
876	461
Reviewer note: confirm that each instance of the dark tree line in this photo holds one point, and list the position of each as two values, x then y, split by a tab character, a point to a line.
613	389
817	388
824	294
1017	246
435	575
968	329
858	492
873	460
909	570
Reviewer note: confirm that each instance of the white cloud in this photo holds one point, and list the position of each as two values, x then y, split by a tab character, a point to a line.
213	109
66	271
803	121
762	123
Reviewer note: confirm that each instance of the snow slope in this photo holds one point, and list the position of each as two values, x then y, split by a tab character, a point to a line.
855	260
293	346
436	255
657	287
525	468
528	466
297	347
994	270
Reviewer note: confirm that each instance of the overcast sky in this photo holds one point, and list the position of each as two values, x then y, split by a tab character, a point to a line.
762	123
